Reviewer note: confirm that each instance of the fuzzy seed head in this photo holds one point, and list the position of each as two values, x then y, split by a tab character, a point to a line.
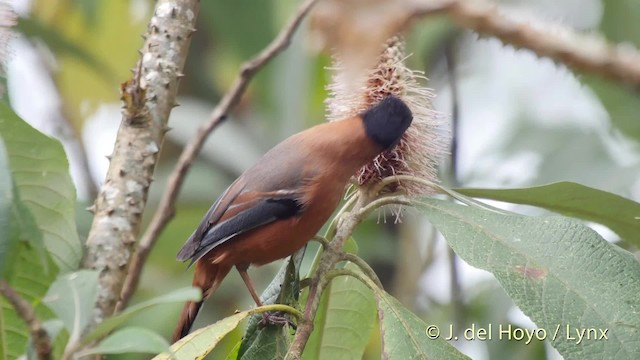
418	152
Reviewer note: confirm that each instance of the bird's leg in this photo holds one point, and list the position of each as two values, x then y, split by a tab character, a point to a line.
267	318
247	281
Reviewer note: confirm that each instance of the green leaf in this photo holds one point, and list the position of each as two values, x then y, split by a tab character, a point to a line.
72	297
558	271
41	174
618	213
25	229
269	343
29	270
19	226
344	321
233	354
109	324
200	342
24	264
7	242
404	334
31	279
130	340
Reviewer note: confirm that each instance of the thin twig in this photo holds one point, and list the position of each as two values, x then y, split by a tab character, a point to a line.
320	239
385	200
276	308
346	272
41	340
166	208
579	51
355	259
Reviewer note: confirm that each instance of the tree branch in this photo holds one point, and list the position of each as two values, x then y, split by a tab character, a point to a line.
579	51
41	340
330	257
148	99
166	208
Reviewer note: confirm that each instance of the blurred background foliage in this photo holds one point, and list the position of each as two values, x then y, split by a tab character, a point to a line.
523	121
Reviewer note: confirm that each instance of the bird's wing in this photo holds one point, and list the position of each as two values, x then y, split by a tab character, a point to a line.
269	208
271	190
259	209
212	216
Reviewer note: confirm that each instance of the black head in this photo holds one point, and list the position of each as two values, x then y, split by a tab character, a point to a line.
387	121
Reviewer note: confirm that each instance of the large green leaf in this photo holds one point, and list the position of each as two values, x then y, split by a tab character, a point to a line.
25	266
40	171
618	213
31	279
344	321
404	334
558	271
200	342
270	343
72	298
20	225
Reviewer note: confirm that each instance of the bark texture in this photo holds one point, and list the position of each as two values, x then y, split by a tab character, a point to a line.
148	98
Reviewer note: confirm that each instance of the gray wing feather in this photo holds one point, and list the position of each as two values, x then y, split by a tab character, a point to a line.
262	213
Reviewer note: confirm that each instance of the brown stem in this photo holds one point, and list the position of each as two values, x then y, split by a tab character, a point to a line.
364	267
41	340
166	208
148	99
330	257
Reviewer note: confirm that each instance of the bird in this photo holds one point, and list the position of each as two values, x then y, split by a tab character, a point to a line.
277	205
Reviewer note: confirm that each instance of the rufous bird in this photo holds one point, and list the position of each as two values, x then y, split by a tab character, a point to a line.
275	207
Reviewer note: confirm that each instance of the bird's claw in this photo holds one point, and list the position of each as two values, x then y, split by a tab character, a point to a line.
276	318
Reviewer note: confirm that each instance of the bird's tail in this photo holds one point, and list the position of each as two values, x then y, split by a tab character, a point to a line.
187	317
207	277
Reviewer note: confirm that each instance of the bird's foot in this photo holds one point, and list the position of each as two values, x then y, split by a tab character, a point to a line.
276	318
